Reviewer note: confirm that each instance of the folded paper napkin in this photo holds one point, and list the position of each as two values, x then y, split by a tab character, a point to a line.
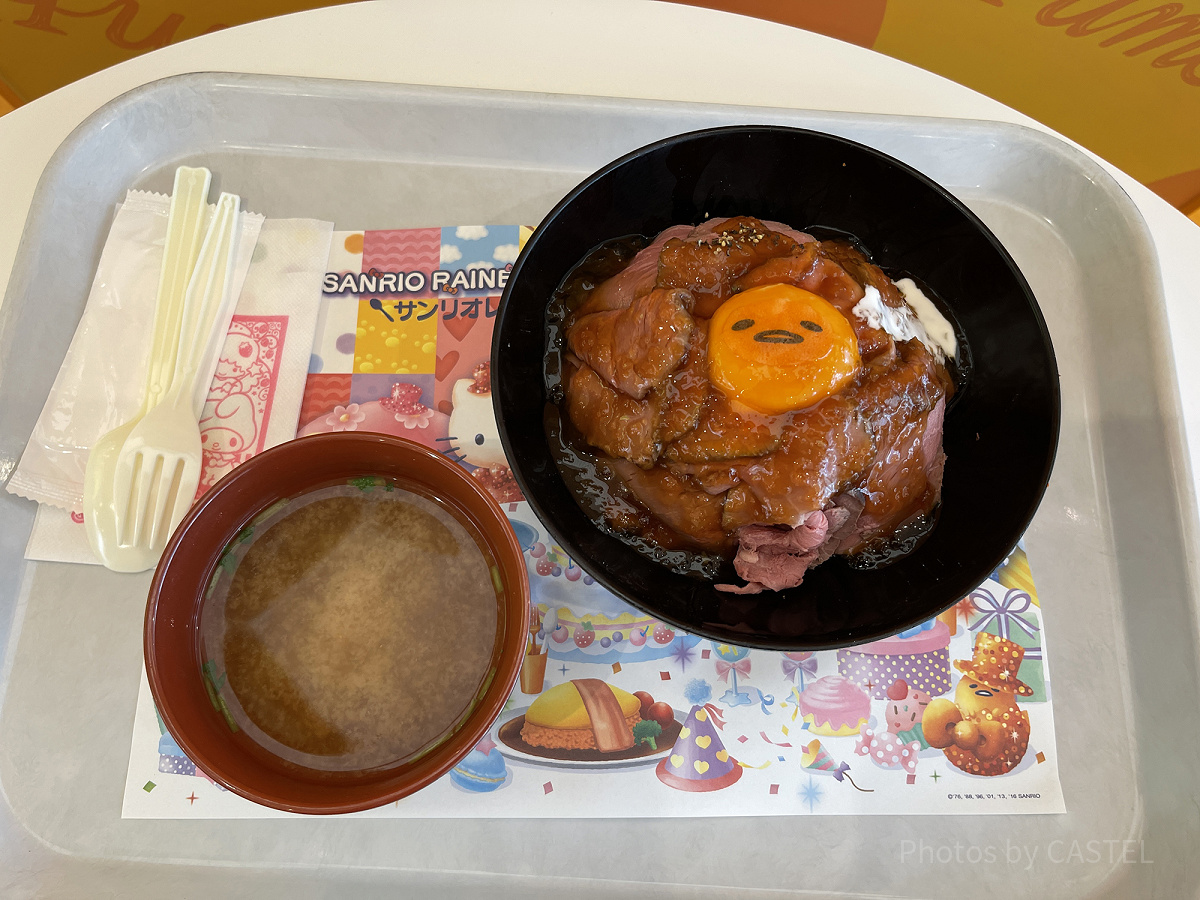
101	380
254	398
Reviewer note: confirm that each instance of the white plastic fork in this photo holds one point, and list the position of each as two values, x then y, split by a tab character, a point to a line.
159	466
187	222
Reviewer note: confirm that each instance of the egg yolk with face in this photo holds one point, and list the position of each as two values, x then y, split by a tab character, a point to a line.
777	348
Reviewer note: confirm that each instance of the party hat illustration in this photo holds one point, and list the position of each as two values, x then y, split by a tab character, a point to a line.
817	758
699	760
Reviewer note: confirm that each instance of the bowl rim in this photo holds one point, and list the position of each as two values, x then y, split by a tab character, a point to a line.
1038	321
506	659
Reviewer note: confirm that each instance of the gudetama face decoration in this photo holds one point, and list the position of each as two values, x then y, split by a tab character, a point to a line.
777	348
972	697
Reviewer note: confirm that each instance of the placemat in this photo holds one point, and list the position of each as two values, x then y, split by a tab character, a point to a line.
402	345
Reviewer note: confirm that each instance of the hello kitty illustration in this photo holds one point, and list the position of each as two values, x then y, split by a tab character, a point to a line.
401	413
474	438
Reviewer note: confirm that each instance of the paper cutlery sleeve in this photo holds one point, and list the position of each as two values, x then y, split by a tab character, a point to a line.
255	394
99	384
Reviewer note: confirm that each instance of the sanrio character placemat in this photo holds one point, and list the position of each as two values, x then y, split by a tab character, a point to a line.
953	716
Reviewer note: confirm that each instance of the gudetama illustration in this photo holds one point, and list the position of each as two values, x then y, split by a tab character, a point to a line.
983	731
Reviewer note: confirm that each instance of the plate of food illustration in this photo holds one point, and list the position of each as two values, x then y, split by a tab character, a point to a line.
588	723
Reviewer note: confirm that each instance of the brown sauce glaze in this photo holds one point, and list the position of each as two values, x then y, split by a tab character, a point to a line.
655	453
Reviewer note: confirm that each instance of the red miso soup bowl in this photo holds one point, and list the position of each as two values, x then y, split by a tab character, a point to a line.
197	696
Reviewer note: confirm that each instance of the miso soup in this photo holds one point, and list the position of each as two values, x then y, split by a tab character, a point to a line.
351	627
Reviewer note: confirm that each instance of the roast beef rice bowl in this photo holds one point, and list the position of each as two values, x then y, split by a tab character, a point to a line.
741	390
775	388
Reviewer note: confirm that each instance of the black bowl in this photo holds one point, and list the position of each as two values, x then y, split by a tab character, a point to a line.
1001	429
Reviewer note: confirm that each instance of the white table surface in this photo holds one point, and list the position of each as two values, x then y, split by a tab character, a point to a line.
622	48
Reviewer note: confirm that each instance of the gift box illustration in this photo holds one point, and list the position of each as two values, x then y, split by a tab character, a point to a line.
1013	618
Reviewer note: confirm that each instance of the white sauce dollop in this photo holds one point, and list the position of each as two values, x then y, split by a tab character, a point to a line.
937	327
919	319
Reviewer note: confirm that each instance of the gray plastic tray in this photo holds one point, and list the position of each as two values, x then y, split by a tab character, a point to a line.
1108	546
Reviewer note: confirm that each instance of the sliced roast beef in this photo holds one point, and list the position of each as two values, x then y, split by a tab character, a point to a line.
823	450
863	270
713	477
692	513
844	517
708	265
637	348
799	268
635	279
709	226
800	237
777	557
906	479
616	423
695	470
686	390
931	447
724	433
774	557
899	403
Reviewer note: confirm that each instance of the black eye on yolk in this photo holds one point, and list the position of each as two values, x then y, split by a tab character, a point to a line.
479	439
742	325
